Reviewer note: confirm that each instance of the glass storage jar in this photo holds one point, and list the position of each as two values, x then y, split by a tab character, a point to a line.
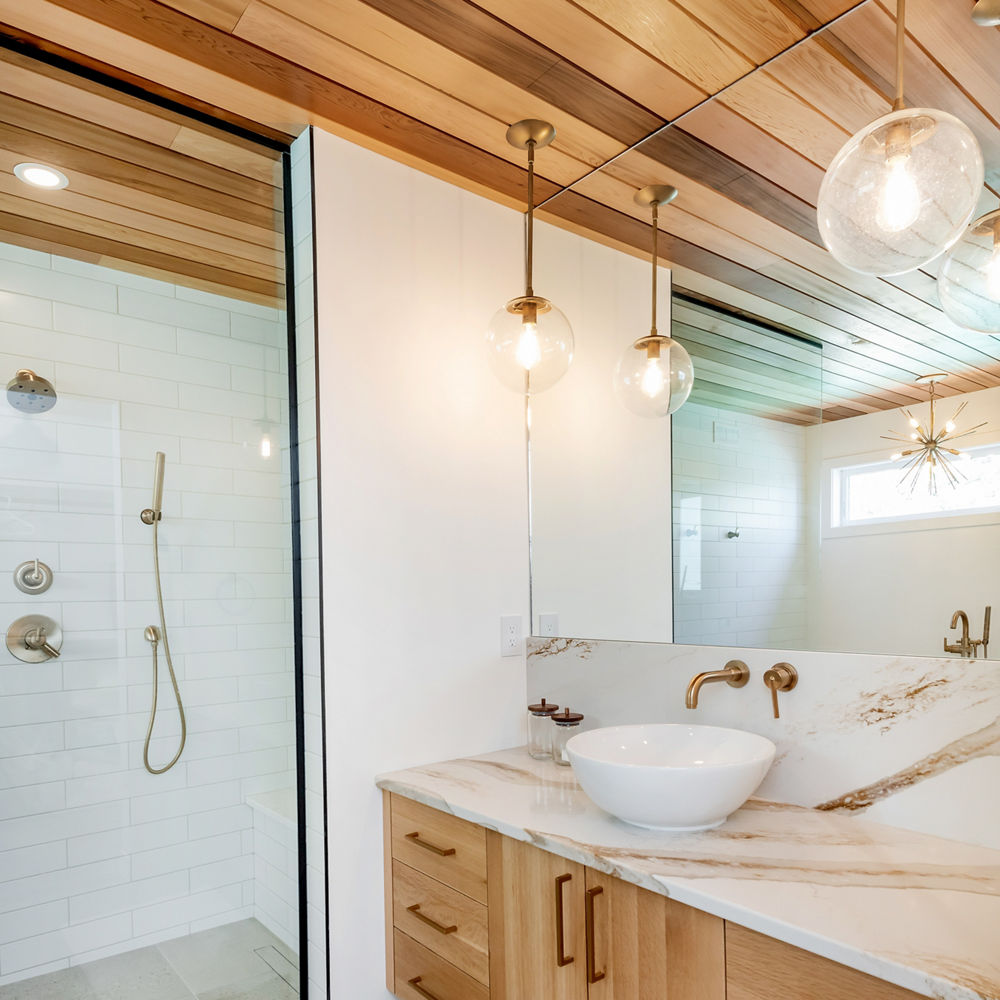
540	729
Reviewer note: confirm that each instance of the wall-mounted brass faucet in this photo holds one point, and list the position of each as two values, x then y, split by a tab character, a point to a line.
735	673
967	647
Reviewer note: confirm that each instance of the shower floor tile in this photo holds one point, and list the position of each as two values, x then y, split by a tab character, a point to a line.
240	961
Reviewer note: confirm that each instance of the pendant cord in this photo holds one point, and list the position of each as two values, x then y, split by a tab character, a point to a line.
656	257
897	104
529	253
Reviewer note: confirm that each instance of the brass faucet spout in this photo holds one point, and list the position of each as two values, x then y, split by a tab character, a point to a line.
735	674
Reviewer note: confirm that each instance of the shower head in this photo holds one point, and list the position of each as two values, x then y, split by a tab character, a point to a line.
30	393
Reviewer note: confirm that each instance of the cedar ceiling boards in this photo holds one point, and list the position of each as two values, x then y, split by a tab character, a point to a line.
150	191
434	83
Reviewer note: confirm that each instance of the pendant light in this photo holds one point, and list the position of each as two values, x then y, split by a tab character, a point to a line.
969	279
931	447
655	375
530	340
903	189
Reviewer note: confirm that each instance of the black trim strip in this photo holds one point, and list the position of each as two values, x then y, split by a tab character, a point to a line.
296	519
319	534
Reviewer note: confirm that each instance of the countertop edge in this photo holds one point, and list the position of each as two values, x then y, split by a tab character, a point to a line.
684	892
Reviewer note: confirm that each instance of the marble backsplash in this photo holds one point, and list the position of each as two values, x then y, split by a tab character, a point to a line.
909	741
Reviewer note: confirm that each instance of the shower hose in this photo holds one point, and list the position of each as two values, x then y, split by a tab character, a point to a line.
170	667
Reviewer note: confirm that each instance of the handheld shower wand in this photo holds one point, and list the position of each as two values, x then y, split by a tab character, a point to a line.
155	513
153	635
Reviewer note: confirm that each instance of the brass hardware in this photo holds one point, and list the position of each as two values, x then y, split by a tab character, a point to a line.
967	647
415	983
593	976
440	928
33	577
34	639
986	13
561	957
148	516
530	134
781	677
441	852
735	674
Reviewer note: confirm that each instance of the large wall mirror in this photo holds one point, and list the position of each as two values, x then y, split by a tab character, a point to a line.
768	511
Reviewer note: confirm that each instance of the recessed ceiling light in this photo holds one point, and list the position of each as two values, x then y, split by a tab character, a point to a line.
41	176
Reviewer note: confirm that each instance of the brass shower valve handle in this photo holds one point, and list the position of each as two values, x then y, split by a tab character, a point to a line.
781	677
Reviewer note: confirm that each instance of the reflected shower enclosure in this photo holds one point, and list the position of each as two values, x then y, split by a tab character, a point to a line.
149	784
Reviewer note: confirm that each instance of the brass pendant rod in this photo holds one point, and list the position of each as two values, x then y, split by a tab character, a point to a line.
897	104
530	237
656	257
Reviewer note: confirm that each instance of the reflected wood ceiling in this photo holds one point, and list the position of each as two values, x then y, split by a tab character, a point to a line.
151	191
435	82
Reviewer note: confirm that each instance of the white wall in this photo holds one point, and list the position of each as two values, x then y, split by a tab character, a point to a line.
96	855
745	473
596	467
423	498
896	588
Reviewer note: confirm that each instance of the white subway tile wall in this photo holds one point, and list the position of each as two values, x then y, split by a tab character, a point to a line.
96	855
275	864
738	472
305	346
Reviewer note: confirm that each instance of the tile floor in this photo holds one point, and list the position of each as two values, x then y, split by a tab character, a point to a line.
241	961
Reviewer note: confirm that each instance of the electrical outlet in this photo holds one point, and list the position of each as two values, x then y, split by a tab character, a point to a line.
548	626
510	635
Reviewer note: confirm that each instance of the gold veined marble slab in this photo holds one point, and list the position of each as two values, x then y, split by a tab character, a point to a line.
918	911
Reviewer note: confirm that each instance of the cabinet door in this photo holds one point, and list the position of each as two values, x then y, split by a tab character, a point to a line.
761	968
536	911
643	946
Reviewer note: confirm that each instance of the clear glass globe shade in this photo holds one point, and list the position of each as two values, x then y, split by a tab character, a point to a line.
654	386
530	344
969	279
900	191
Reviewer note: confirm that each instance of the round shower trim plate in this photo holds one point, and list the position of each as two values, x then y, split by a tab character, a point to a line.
41	175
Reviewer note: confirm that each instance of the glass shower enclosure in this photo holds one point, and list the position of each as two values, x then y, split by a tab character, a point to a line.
146	559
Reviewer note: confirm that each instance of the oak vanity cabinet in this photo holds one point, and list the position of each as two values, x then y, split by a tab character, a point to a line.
473	915
573	933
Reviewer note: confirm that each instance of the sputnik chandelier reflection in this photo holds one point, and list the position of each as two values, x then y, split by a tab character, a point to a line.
932	447
530	340
655	375
903	189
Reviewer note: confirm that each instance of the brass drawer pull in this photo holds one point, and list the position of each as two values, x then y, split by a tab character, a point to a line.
415	983
442	852
440	928
593	976
561	957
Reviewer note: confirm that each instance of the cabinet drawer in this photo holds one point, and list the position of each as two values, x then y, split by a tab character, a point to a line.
436	978
440	845
449	923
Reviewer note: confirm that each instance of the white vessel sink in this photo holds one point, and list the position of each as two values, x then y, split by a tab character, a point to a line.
670	777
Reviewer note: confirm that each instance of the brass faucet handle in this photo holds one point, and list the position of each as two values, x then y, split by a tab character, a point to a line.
781	677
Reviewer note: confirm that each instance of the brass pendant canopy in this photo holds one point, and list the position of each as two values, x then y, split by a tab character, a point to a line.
521	134
655	194
986	13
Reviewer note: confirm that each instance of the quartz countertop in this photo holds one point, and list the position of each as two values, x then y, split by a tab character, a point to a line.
914	910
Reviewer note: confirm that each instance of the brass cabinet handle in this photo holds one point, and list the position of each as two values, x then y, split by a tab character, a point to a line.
561	957
415	983
440	928
441	852
593	976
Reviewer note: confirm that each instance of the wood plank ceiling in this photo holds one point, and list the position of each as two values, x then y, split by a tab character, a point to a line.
435	82
151	191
